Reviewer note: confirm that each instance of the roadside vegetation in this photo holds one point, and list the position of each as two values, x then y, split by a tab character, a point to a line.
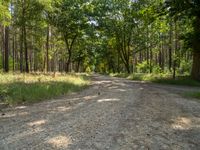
164	79
160	78
193	95
29	88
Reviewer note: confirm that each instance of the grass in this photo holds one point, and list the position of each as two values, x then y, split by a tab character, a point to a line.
30	88
160	78
193	95
165	79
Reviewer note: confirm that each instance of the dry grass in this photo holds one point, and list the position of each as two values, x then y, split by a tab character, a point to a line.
28	88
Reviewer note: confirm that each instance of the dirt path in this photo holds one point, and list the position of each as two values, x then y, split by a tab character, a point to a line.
112	114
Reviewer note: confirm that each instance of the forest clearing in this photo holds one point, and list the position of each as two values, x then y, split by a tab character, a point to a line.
100	74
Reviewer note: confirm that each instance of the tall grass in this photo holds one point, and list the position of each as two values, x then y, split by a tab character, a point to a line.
160	78
164	79
28	88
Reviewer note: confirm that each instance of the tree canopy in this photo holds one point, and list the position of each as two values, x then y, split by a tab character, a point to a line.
133	36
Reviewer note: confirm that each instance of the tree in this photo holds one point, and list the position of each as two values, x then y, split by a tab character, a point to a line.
190	9
68	16
5	20
102	35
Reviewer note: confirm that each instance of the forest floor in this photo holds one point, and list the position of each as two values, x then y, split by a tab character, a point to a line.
111	114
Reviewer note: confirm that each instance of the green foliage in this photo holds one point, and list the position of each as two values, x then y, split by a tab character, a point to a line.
185	67
18	88
148	77
5	15
156	69
143	67
161	78
1	66
120	75
103	36
190	9
88	70
184	80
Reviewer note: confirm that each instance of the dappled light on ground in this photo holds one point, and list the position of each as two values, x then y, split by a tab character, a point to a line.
8	115
37	123
90	97
109	100
20	107
63	108
183	123
120	90
59	141
14	114
141	88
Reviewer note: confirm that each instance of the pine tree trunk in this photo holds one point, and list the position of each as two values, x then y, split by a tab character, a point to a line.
6	67
170	46
175	50
47	50
13	51
3	45
26	51
21	51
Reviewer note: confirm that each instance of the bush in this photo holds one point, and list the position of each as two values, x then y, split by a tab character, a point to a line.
156	69
185	67
143	67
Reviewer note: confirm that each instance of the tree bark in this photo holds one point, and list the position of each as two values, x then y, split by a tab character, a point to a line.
170	47
196	65
196	51
13	51
3	45
21	51
69	46
47	50
175	51
6	67
26	51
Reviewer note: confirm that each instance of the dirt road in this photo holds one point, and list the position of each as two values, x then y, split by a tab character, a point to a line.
112	114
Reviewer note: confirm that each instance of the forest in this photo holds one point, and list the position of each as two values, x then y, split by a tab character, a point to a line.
105	36
100	74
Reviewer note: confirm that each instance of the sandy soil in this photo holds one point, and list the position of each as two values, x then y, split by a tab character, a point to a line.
112	114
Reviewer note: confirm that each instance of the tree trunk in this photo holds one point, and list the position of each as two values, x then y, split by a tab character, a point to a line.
118	61
13	51
196	65
68	60
26	51
69	46
128	68
3	45
170	47
196	51
175	51
6	67
151	61
21	51
47	50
